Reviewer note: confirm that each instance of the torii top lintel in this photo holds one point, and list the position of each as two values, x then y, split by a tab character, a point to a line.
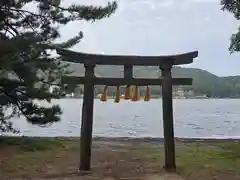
99	59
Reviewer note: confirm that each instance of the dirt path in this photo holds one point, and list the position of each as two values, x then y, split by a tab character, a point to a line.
101	146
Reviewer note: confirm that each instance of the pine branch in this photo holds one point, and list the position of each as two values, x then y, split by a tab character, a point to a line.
25	38
24	11
16	102
11	27
31	26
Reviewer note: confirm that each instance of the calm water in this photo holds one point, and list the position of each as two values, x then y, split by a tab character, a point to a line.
192	118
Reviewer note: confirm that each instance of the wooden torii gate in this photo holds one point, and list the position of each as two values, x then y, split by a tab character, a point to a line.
165	64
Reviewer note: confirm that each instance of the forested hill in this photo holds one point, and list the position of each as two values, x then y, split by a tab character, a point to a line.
204	82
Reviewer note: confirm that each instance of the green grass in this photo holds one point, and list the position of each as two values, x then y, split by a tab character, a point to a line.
26	144
23	157
201	156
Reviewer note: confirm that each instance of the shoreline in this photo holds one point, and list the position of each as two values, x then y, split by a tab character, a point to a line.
133	139
153	98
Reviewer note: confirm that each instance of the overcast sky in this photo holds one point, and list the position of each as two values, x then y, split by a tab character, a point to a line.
160	27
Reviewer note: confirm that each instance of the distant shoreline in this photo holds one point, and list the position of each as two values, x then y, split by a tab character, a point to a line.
155	98
132	139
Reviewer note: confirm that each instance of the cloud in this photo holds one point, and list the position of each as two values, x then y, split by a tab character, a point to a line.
208	18
156	27
167	3
205	1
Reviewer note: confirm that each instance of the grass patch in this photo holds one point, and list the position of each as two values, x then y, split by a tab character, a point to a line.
39	157
32	144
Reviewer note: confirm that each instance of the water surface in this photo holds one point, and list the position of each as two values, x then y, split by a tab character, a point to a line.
192	118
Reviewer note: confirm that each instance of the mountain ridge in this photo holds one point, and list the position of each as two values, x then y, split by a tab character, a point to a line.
204	82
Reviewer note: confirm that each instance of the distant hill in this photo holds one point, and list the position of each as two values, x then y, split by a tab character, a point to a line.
204	82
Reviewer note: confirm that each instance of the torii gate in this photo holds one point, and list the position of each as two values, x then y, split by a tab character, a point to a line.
165	64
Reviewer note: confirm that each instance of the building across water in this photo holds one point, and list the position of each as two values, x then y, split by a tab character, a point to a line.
182	93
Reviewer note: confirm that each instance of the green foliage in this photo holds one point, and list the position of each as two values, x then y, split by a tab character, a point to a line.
27	68
233	6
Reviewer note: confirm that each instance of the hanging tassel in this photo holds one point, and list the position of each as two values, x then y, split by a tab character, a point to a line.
132	91
128	93
104	96
136	96
147	96
117	97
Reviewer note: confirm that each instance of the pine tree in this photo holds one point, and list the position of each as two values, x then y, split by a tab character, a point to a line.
27	68
233	6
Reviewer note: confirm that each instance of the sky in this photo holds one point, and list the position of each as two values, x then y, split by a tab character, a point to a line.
162	27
